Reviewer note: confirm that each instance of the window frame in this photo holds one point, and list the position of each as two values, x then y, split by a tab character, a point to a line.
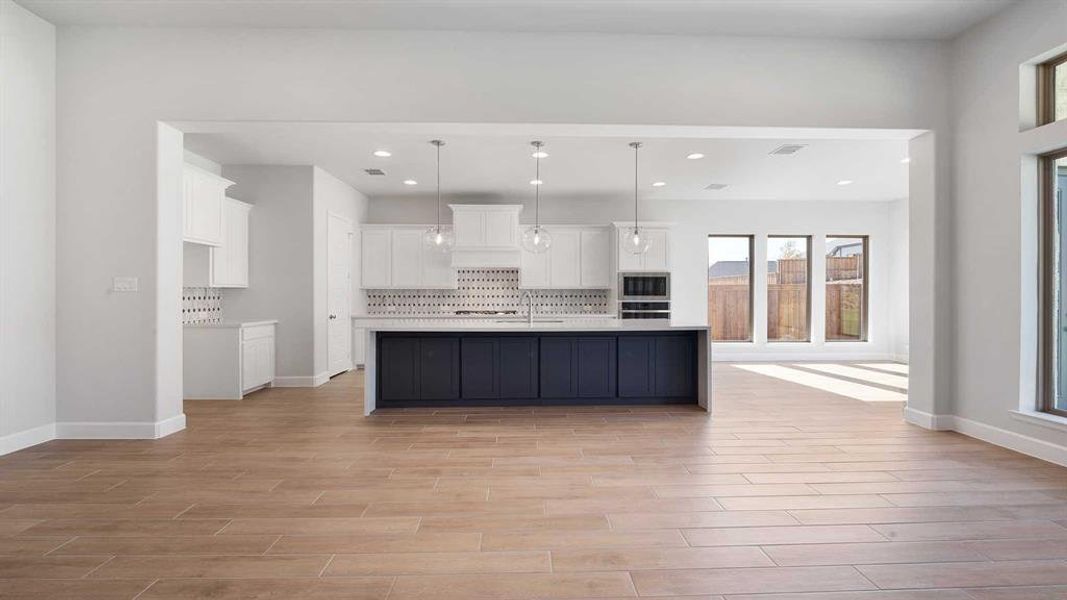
810	337
1046	89
866	290
1047	283
751	287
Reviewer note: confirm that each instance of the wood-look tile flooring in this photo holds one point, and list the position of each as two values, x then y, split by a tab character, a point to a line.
785	493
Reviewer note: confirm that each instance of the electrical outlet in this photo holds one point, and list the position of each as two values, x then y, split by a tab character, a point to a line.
124	284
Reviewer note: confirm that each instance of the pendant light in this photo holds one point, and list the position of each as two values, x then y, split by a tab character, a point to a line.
636	240
536	239
437	237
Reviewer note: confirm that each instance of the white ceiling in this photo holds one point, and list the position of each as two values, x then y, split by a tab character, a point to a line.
874	19
500	166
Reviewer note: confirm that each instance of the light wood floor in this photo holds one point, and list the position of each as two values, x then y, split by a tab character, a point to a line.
787	492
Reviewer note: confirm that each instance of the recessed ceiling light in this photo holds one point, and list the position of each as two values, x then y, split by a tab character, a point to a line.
536	182
695	156
845	182
659	183
905	160
540	154
382	153
410	182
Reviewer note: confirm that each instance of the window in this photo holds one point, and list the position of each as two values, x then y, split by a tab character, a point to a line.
788	289
730	287
846	289
1052	90
1053	372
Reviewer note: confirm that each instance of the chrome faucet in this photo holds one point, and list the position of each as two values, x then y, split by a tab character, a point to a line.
527	298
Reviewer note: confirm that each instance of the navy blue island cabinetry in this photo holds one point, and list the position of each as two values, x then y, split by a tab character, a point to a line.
536	368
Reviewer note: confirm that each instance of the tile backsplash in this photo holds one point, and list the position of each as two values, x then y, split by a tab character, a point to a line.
201	305
485	289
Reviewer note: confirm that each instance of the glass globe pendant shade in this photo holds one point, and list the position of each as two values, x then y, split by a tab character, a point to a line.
636	241
536	239
439	239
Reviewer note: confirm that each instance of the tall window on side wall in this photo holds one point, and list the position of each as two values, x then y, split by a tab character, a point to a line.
730	287
1052	89
846	289
1054	283
788	289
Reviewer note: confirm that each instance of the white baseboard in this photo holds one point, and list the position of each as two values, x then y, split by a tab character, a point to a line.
13	442
1024	444
129	430
927	420
302	381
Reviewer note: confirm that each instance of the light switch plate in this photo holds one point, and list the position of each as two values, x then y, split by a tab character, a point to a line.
124	284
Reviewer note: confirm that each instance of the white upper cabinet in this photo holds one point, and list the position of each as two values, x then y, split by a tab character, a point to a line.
203	193
394	257
229	260
226	264
407	258
596	258
375	251
658	256
579	257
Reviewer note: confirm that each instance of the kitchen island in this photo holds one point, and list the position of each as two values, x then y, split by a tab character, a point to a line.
549	362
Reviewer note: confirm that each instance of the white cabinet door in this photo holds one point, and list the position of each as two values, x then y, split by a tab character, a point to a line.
407	258
359	345
501	228
437	271
376	251
202	197
229	260
533	269
659	251
596	258
257	362
469	227
564	259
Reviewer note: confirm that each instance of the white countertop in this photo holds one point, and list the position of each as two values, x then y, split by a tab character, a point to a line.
452	317
542	324
230	324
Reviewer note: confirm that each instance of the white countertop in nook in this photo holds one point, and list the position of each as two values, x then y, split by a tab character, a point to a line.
520	324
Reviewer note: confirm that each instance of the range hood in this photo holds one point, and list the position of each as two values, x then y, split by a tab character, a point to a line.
487	235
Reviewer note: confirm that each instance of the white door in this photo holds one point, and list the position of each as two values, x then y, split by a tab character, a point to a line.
339	294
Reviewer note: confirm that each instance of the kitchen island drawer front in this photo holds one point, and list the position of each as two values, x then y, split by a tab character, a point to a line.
559	363
637	369
518	367
439	368
479	365
596	367
675	364
398	359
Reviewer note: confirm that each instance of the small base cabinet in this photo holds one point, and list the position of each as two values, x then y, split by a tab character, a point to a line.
225	361
487	369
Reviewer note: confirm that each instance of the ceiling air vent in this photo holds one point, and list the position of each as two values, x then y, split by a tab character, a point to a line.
374	171
716	186
787	149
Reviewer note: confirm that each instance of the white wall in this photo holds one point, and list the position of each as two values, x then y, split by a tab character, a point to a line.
27	228
695	220
115	83
330	195
281	275
898	280
995	229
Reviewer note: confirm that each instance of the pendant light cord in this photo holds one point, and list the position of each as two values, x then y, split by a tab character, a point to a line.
437	143
636	146
537	188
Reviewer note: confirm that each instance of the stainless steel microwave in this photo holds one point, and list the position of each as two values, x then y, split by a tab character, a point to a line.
644	286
